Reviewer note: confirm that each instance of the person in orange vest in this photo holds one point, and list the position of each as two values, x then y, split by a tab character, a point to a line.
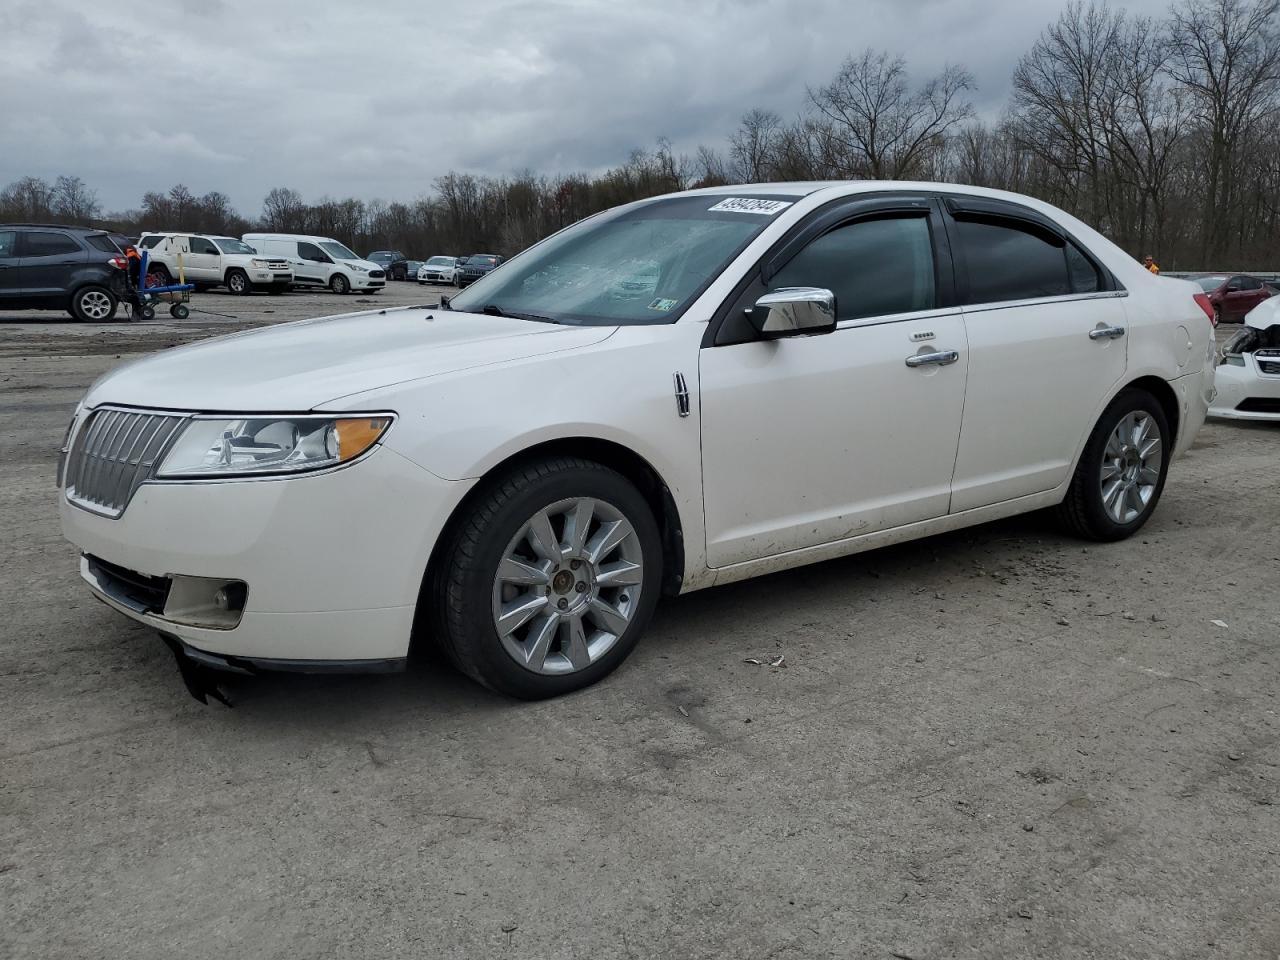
1150	263
134	259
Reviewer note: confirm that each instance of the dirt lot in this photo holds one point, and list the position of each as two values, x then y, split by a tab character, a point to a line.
998	743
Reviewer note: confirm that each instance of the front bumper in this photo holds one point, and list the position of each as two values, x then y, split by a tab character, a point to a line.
1245	393
332	568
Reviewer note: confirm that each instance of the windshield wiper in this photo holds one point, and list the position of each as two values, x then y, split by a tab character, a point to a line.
493	310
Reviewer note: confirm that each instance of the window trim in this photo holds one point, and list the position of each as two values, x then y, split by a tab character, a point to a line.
840	212
982	209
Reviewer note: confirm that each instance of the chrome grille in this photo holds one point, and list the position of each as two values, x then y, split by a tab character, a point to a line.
113	453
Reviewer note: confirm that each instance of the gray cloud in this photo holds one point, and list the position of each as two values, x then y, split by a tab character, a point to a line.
376	100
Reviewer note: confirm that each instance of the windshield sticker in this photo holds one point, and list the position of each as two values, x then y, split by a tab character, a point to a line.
766	208
663	304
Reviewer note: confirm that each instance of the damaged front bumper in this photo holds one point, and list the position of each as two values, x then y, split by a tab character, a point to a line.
1248	378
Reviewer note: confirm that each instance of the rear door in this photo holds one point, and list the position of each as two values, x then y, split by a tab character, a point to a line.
1046	331
10	286
48	263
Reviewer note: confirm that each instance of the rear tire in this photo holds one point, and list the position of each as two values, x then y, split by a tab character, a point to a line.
567	644
238	283
339	284
179	311
93	305
1122	470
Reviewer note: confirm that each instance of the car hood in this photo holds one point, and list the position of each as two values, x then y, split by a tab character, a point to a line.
367	264
1264	315
295	367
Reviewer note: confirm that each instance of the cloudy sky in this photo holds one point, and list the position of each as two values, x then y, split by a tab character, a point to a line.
375	99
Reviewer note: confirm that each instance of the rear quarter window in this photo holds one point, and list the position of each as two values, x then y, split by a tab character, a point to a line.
100	241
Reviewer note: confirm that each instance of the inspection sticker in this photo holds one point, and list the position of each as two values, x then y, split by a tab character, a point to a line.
663	304
766	208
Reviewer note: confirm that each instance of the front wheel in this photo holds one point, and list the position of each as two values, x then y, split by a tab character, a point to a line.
339	284
179	311
551	579
1121	473
238	283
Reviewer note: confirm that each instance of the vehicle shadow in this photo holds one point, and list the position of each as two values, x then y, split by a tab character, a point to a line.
430	682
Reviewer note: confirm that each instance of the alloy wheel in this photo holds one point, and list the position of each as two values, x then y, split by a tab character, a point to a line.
1131	463
568	586
95	305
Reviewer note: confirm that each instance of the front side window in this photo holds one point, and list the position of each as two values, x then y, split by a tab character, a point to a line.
1250	283
309	251
874	267
643	264
1007	260
40	244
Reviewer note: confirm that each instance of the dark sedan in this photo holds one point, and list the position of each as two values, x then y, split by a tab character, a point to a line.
395	263
1233	295
476	266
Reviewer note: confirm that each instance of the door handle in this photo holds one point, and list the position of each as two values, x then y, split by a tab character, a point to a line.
941	358
1106	333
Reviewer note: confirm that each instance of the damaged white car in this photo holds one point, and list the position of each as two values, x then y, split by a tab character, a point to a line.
1248	375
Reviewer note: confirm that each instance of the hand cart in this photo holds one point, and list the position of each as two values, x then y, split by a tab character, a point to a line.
143	296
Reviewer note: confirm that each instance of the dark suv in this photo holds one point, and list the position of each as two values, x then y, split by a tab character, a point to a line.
50	267
393	261
475	267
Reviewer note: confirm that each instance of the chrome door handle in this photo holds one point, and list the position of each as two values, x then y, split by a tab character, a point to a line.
941	358
1106	333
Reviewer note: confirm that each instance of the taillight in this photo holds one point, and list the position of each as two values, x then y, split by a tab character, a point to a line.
1206	306
120	263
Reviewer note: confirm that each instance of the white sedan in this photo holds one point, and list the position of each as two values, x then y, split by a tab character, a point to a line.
678	393
439	270
1248	376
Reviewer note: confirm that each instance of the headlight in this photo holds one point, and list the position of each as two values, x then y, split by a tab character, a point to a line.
258	263
257	446
360	269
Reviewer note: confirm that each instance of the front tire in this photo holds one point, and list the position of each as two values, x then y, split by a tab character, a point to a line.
238	283
93	305
1122	471
549	582
339	284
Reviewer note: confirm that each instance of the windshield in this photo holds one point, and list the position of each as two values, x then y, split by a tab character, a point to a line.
640	265
230	245
337	250
440	262
381	255
1209	284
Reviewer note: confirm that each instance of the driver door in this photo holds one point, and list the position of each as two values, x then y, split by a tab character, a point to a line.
814	439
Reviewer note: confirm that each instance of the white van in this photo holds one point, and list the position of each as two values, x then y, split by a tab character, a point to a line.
320	261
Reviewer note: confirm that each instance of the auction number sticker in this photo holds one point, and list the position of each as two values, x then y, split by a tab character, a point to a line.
766	208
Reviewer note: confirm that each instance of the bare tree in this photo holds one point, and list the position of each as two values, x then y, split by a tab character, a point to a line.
880	124
283	210
72	200
752	147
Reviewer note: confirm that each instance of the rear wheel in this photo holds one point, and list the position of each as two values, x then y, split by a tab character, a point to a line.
548	584
1121	473
238	283
179	311
93	304
339	284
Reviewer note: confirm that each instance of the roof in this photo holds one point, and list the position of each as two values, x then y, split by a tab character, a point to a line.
58	226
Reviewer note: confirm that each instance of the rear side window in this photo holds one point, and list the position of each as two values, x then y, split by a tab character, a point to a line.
100	241
203	245
8	243
41	244
1084	274
151	242
1007	261
874	267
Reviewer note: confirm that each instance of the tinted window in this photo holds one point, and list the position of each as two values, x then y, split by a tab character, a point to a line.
1084	275
1006	261
874	267
37	244
1250	283
8	240
150	242
203	245
309	251
100	241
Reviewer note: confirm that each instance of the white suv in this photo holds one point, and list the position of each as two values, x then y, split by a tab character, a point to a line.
209	260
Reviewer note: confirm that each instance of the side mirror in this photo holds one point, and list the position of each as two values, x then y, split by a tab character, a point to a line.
794	312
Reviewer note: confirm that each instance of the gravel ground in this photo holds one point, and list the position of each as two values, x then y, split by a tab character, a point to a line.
996	743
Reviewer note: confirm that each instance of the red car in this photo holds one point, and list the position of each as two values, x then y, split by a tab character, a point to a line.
1233	296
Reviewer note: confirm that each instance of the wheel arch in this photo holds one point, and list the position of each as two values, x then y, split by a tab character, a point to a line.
1165	396
608	453
226	276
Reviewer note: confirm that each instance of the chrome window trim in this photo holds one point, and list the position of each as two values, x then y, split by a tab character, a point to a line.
1035	301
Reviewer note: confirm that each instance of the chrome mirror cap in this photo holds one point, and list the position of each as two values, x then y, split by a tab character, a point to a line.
794	311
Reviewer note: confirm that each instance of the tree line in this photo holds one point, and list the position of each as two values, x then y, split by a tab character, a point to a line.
1164	133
